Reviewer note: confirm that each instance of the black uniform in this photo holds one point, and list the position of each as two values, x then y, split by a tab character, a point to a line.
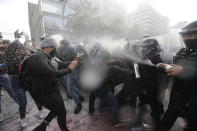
185	82
149	78
183	91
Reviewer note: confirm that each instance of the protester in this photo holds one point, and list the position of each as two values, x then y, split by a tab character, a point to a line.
40	78
67	53
99	60
103	92
10	84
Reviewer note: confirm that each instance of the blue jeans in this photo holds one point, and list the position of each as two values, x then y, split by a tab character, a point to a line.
110	100
62	82
69	83
10	84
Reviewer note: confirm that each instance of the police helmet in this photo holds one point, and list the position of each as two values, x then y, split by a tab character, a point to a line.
189	35
189	28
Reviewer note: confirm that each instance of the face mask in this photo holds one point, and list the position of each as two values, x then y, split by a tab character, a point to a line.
53	52
191	43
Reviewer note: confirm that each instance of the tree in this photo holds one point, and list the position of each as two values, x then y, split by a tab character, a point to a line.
88	21
85	21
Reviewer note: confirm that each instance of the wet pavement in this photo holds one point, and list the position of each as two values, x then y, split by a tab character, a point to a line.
80	122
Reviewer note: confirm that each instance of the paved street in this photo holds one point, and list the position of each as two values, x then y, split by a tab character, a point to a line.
81	122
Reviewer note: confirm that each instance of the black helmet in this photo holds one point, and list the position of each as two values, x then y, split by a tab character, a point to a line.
189	34
150	42
150	48
146	36
189	28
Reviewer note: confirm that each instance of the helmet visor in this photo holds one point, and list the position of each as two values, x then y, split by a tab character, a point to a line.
190	36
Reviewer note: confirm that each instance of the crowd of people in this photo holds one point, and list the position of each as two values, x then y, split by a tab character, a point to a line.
138	69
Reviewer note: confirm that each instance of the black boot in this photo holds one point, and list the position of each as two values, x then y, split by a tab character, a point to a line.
41	127
78	108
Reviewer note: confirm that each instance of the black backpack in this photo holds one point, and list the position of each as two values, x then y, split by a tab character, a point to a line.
25	79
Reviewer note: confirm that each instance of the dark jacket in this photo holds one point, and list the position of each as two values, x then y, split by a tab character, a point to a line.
114	76
187	58
39	76
66	53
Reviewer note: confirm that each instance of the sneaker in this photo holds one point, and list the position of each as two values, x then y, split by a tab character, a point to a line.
147	126
1	117
24	122
41	114
78	108
120	124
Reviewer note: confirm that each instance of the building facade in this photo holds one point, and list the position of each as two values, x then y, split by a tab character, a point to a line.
148	20
47	18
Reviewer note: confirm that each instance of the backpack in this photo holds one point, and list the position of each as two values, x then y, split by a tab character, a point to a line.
25	79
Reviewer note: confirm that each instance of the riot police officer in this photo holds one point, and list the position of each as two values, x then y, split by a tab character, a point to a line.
184	89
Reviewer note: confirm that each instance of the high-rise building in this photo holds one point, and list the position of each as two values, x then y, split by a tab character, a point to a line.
148	20
48	17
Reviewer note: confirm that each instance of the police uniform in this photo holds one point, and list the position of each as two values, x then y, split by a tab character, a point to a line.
184	89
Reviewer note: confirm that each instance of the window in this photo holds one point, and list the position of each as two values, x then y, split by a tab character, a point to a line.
52	7
53	22
68	11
